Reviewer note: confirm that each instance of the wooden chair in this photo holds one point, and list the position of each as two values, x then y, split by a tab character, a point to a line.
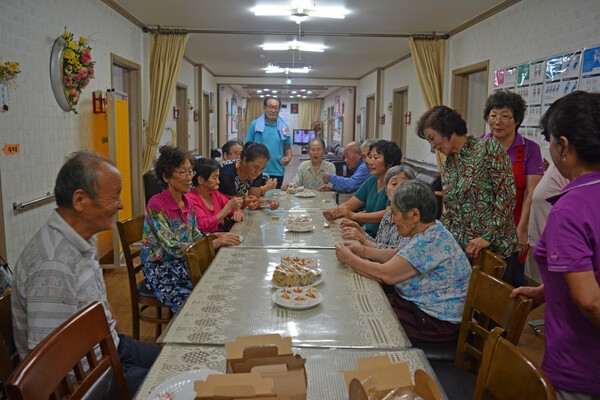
144	306
54	368
488	305
198	256
9	357
506	373
490	263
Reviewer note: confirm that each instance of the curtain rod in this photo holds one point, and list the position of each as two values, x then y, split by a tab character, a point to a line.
431	36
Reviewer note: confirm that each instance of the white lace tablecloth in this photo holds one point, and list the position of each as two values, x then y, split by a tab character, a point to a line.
321	200
233	299
265	228
323	367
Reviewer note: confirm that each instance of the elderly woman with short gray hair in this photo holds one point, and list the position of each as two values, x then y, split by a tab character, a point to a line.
387	235
426	281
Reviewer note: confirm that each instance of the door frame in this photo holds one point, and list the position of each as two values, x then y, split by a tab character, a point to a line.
460	86
136	126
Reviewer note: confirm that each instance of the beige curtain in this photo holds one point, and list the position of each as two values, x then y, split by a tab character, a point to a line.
428	56
254	109
166	54
309	111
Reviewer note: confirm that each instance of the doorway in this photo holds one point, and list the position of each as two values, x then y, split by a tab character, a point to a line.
469	93
182	122
205	143
399	111
126	78
370	118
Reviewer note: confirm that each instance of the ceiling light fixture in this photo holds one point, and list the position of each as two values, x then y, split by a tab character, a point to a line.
276	69
294	45
300	10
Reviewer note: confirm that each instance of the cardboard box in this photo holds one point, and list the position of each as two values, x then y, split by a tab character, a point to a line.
271	357
388	376
229	387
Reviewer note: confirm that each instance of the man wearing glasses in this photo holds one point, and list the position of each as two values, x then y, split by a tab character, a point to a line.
272	131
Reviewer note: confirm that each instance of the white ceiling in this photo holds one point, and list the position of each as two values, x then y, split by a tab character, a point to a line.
226	35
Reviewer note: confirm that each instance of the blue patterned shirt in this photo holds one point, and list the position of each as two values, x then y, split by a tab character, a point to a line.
440	287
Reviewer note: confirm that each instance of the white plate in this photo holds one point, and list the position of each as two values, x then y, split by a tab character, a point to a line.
294	304
307	229
181	386
315	283
306	194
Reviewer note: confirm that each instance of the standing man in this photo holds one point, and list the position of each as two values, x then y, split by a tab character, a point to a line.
353	157
272	131
58	272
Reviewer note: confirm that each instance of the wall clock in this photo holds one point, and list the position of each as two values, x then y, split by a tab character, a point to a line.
56	74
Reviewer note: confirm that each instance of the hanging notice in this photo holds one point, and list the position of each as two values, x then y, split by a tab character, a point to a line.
590	71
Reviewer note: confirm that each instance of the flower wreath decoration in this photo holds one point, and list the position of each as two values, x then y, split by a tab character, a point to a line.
71	69
8	72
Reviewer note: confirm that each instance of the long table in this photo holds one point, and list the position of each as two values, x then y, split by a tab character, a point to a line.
233	299
354	320
323	367
266	228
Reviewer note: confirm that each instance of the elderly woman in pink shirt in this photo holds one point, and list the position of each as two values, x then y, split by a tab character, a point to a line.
211	206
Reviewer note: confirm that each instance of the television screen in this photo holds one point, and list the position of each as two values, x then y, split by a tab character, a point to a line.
303	136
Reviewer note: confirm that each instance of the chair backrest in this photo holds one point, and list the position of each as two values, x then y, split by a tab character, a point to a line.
130	232
55	365
506	373
488	305
490	263
9	357
199	255
152	185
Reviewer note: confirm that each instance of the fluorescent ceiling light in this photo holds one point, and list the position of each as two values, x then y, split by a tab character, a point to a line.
276	69
294	45
300	10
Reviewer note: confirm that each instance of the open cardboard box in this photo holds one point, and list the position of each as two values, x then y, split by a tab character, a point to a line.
388	376
271	357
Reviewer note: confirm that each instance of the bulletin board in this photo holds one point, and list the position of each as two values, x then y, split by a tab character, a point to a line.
541	82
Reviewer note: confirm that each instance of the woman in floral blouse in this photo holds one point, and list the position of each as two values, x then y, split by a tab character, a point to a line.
170	225
310	172
479	188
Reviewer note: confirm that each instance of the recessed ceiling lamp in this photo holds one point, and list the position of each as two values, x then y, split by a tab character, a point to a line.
300	10
294	45
276	69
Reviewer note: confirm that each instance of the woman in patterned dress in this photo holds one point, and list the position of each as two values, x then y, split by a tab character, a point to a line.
426	281
170	226
478	186
310	172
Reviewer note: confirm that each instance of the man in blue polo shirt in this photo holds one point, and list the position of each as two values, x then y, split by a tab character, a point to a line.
272	131
353	157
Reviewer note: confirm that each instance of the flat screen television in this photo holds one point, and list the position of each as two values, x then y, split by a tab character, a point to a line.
303	136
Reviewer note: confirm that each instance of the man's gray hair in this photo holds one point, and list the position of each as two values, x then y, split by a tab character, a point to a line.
80	171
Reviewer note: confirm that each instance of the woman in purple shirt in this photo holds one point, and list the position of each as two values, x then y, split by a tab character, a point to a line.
568	252
504	112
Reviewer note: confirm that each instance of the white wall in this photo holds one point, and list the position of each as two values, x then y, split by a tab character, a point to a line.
45	133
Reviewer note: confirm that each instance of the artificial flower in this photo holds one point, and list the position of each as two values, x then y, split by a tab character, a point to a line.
78	67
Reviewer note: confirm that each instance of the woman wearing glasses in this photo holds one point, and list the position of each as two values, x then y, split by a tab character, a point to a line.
478	185
504	112
170	225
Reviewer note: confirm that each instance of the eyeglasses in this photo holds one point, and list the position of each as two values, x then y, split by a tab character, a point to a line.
501	118
274	108
185	174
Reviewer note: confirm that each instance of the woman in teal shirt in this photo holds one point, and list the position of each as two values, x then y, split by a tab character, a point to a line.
371	195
